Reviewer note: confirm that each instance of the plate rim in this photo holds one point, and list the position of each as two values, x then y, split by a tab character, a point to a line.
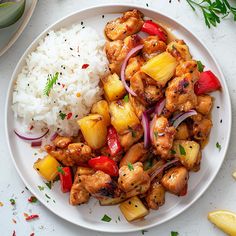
226	91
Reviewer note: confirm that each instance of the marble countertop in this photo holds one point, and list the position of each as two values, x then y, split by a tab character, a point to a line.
220	195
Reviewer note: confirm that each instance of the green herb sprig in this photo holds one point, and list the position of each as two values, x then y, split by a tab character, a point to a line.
213	10
52	79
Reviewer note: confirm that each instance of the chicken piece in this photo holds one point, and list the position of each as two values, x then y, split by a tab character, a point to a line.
180	94
201	130
133	180
133	66
138	107
152	94
175	180
152	46
188	67
100	185
131	136
204	104
162	136
78	194
155	196
182	132
61	141
116	51
130	23
179	50
75	154
134	154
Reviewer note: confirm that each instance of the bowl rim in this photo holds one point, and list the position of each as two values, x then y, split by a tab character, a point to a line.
226	91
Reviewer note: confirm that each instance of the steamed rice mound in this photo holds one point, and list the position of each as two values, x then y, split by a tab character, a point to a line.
76	90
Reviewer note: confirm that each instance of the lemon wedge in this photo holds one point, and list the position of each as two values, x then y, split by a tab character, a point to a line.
224	220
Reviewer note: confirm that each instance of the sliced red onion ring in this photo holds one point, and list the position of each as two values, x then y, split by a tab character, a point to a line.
151	128
160	106
122	73
54	136
183	116
36	143
30	138
146	128
162	168
176	117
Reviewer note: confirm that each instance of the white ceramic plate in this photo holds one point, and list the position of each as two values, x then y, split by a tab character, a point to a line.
10	34
89	215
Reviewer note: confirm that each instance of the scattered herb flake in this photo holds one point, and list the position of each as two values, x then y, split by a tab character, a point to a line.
182	150
132	131
41	188
119	218
31	217
148	164
130	166
33	199
106	218
218	146
12	201
62	115
144	231
126	98
155	134
174	233
52	79
172	151
47	196
200	66
49	184
60	170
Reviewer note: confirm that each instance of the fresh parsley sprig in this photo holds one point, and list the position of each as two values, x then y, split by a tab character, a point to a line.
52	79
213	10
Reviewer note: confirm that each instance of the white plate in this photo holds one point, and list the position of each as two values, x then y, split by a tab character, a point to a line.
89	215
10	34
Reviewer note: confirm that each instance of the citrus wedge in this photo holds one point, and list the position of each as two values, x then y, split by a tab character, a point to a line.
224	220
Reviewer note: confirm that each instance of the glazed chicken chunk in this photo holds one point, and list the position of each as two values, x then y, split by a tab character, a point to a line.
175	180
130	23
100	185
163	136
204	104
180	94
133	66
133	180
155	196
116	51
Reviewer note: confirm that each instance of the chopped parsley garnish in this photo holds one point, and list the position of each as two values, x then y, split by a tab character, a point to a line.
52	79
60	170
12	201
106	218
126	98
132	131
41	188
49	185
144	231
218	146
119	218
182	150
62	115
155	134
200	66
174	233
148	164
130	166
172	151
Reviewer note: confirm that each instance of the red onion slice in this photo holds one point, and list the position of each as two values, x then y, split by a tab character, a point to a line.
122	73
54	136
183	116
162	168
36	143
160	106
146	128
30	138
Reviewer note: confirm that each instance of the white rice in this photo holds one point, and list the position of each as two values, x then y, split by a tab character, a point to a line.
62	51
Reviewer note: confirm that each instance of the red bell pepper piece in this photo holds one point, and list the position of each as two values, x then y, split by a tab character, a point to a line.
206	83
66	179
104	164
31	217
153	28
113	141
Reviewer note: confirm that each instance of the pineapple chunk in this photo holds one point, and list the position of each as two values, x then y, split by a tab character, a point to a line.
102	108
161	68
182	132
188	152
122	116
133	209
113	87
94	130
224	220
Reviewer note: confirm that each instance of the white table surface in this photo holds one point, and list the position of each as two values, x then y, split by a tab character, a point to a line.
220	195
